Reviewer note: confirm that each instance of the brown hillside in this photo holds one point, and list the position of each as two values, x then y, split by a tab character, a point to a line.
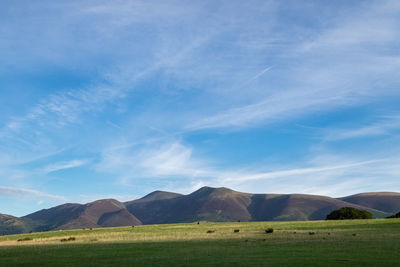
73	216
12	225
120	217
384	201
216	204
156	195
205	204
223	204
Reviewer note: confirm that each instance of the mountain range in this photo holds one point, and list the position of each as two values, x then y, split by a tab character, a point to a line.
205	204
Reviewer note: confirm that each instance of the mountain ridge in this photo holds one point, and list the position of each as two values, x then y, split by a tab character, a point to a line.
205	204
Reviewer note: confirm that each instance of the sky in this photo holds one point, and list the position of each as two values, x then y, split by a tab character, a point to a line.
116	99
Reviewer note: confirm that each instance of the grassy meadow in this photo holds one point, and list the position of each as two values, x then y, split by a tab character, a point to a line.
312	243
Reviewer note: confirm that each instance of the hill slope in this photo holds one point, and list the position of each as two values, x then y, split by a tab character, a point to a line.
205	204
223	204
100	213
384	201
214	204
12	225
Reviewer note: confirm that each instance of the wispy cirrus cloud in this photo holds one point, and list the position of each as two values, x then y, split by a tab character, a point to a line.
297	172
361	62
64	108
161	77
64	165
180	162
387	126
275	108
16	192
255	77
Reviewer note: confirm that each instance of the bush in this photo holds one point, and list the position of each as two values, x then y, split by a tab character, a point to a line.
348	213
269	230
236	231
68	239
210	231
25	239
397	215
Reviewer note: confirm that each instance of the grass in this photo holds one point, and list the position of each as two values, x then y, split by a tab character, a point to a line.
342	243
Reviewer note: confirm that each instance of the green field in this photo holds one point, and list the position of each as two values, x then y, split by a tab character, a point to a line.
328	243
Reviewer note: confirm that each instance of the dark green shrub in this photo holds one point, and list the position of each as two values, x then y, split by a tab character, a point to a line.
349	213
397	215
236	231
210	231
269	230
68	239
25	239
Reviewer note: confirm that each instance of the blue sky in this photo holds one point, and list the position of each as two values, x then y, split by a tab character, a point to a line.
116	99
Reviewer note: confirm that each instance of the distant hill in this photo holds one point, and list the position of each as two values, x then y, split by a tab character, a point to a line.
156	195
384	201
100	213
212	204
205	204
223	204
12	225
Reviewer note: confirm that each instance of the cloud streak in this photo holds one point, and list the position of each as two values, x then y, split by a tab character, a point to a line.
259	74
64	165
15	192
388	126
359	62
277	107
129	91
177	161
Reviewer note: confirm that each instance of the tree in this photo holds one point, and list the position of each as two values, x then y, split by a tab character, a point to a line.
348	213
397	215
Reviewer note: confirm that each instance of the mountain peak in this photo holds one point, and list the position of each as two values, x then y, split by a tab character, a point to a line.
215	192
105	202
156	195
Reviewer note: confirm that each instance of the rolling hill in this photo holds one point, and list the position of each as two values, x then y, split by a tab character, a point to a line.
223	204
12	225
384	201
100	213
213	204
205	204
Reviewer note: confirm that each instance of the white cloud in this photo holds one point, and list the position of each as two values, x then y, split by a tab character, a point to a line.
277	107
344	65
171	159
218	53
244	177
388	126
26	193
328	174
64	165
255	77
